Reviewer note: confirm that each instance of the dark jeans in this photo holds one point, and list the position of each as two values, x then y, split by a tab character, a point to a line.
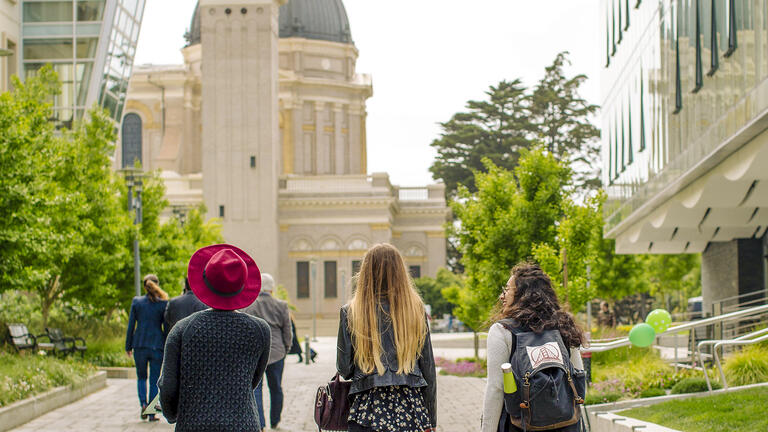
153	358
274	375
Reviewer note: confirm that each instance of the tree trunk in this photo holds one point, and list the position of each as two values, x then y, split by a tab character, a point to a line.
477	344
47	298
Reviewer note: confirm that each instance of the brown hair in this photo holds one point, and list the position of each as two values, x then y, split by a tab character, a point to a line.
154	292
535	305
383	277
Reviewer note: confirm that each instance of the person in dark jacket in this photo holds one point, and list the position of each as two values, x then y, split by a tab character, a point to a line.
384	347
181	307
275	312
145	338
215	358
296	346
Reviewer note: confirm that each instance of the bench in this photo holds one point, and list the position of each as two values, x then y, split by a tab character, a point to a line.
20	338
65	344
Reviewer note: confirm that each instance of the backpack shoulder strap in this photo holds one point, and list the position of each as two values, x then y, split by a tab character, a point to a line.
513	327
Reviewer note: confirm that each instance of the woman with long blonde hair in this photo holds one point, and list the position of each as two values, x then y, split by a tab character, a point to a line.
385	349
145	338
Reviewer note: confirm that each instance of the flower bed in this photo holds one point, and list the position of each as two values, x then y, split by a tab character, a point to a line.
23	376
463	367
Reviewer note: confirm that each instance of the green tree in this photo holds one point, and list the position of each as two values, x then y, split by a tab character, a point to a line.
89	220
673	277
616	275
560	117
65	231
26	168
575	249
431	290
62	226
499	225
496	129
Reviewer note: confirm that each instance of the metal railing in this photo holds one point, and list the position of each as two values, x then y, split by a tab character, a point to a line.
741	314
733	342
741	340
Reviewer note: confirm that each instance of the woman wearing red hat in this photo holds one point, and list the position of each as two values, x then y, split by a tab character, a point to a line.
385	349
216	357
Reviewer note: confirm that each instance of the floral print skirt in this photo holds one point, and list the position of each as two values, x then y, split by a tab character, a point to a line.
390	409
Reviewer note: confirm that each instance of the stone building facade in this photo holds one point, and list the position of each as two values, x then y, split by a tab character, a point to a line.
265	123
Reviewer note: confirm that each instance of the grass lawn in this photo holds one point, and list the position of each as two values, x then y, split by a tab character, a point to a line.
22	376
738	411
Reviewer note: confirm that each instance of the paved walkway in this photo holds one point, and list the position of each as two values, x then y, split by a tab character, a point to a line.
115	408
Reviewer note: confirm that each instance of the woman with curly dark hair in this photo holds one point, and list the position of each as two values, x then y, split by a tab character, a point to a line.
527	303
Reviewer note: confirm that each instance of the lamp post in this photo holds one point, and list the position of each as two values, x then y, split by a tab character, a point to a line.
313	273
133	180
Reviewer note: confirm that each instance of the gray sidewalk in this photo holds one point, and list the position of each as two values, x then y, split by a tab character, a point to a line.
116	408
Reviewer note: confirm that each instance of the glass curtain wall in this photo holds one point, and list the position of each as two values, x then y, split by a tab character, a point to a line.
66	35
680	81
119	56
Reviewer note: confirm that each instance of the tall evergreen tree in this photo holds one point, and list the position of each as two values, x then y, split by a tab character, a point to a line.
560	118
496	129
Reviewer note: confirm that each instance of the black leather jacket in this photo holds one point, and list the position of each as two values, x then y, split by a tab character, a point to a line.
423	375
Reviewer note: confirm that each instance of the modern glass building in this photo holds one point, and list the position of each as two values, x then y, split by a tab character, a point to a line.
685	146
90	43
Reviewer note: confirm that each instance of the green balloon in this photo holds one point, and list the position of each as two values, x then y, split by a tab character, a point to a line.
642	335
659	319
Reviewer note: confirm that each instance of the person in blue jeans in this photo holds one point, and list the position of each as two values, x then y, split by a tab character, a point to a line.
145	338
275	312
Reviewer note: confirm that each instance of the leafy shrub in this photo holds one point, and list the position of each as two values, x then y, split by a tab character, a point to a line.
652	392
599	398
108	352
694	385
637	369
73	317
749	366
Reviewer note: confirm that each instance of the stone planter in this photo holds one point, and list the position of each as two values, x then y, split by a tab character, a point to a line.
119	372
25	410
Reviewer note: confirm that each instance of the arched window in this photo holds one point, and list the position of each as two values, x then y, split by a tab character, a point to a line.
131	140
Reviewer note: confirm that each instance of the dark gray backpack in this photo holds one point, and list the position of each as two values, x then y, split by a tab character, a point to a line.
549	389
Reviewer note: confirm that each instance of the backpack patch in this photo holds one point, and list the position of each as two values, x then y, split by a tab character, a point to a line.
547	353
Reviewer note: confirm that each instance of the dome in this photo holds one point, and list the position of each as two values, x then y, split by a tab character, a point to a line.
193	35
311	19
315	19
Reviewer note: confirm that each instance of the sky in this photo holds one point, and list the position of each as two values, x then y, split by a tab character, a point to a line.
427	58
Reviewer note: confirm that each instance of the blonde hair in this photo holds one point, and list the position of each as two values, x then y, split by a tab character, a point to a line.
383	277
154	291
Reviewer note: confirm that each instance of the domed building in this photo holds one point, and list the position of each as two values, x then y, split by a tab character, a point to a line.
285	170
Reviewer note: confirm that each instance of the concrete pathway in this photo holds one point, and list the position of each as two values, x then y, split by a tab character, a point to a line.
115	408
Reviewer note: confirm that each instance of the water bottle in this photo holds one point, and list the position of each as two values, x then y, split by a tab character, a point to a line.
510	386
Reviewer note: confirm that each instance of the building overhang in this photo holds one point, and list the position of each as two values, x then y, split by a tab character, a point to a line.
726	200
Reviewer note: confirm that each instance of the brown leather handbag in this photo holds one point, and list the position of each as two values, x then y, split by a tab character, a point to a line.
332	405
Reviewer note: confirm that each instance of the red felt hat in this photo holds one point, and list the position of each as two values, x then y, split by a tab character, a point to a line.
224	277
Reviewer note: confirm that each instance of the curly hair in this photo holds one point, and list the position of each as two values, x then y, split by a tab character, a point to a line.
535	305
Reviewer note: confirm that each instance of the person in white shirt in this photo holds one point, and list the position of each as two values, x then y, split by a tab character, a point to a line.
529	299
